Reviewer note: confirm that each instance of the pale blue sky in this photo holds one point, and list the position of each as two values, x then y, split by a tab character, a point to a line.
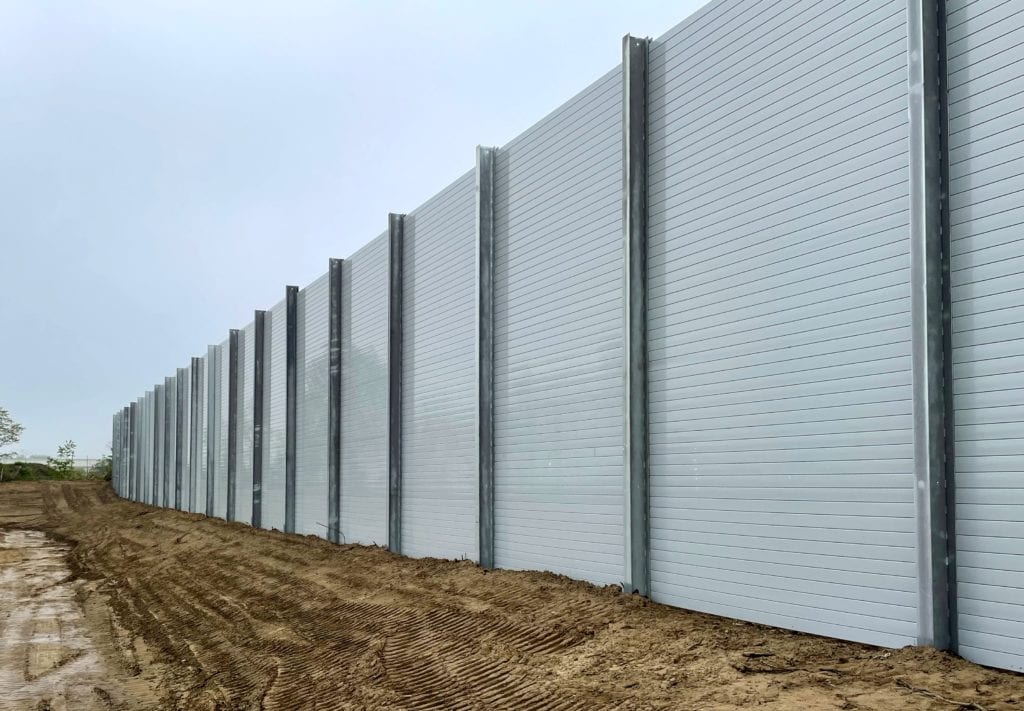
167	167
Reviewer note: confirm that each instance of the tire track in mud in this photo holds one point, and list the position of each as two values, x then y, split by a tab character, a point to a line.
312	640
238	618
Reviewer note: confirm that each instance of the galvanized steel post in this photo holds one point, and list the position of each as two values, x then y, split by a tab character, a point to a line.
180	382
229	506
154	473
193	459
291	403
125	449
396	234
634	207
159	427
485	157
935	549
335	275
113	452
259	333
212	421
132	464
169	384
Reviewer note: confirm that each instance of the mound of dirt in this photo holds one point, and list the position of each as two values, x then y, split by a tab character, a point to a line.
220	616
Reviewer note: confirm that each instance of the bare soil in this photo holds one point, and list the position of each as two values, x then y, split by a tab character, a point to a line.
184	612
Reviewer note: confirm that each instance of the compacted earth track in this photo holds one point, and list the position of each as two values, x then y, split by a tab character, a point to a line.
176	611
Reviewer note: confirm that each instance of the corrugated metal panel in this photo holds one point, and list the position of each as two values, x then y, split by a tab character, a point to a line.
150	460
147	446
171	392
158	461
439	462
199	499
243	476
220	484
186	450
780	419
986	128
217	473
558	398
364	388
275	371
311	410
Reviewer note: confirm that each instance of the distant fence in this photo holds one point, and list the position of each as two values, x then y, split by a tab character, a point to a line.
704	331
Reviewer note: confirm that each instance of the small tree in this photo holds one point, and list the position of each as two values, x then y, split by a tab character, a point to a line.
10	433
64	462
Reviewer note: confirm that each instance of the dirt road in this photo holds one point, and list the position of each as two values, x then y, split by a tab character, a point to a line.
183	612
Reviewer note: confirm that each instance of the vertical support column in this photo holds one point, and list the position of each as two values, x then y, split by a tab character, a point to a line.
936	567
334	325
396	235
157	404
125	449
113	450
634	208
485	349
232	423
132	464
159	446
290	403
193	459
169	384
259	333
212	423
180	382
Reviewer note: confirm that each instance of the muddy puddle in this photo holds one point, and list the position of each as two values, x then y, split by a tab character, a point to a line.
48	660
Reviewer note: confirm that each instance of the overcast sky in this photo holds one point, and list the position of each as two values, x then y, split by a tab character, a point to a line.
167	167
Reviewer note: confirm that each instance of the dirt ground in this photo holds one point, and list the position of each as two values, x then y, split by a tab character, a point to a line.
174	611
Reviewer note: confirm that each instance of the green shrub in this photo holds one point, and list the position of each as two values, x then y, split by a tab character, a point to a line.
27	471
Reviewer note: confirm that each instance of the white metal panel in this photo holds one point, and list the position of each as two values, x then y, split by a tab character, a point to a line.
275	393
143	442
139	448
220	482
558	333
216	472
150	459
311	409
781	442
364	372
986	145
200	492
243	475
158	460
171	391
186	450
439	461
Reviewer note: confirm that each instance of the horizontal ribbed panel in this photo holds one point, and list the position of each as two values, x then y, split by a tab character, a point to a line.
246	375
171	394
220	484
147	443
364	395
558	399
986	140
158	445
439	463
219	425
779	314
275	392
199	501
311	410
186	439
